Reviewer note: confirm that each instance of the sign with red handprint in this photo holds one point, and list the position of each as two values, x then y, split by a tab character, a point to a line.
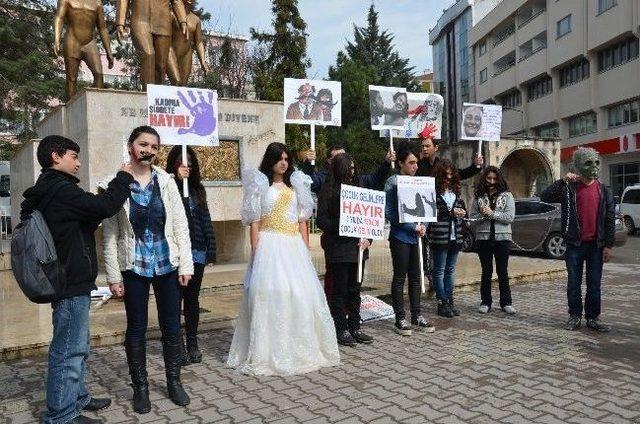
183	115
424	117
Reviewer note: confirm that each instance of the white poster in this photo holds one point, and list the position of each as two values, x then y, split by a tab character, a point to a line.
423	116
312	102
374	309
361	212
388	106
481	122
416	199
183	115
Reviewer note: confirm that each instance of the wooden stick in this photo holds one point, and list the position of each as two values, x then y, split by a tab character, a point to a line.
421	256
185	181
313	141
360	260
393	165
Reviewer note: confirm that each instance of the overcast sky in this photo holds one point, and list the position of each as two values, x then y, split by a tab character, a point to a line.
330	24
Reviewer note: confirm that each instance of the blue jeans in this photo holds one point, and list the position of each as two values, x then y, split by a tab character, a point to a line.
136	303
68	353
576	257
444	269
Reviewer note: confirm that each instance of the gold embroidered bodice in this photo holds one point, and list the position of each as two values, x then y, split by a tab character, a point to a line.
276	220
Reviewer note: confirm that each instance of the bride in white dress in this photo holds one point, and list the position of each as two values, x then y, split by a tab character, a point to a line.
284	326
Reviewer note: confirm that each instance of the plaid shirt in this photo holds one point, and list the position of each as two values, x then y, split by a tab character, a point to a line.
152	251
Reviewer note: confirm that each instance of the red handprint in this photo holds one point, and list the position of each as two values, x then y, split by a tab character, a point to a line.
428	130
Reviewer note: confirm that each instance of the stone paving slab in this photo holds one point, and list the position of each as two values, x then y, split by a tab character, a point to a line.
473	369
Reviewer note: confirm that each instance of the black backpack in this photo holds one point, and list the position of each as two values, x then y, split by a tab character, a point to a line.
34	260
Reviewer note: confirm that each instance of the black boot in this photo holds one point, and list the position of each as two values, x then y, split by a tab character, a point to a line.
171	352
444	310
184	358
137	360
452	305
195	357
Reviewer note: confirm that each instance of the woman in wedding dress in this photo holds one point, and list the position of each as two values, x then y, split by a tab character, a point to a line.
284	326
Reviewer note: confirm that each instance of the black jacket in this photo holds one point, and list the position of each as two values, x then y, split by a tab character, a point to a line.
72	216
337	249
439	233
425	169
565	193
201	232
373	181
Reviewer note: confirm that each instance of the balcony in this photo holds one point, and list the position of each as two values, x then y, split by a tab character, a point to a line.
504	63
504	76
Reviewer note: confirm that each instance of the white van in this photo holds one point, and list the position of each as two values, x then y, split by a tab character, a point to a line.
630	208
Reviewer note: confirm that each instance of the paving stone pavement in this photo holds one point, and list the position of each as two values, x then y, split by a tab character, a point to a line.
473	369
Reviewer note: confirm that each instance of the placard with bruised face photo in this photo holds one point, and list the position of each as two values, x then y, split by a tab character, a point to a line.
481	122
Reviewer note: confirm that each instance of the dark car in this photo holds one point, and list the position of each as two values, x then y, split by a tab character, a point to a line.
536	228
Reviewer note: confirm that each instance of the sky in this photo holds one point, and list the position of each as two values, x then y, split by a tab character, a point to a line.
330	24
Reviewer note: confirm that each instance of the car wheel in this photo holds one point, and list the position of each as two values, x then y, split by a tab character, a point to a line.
467	241
631	228
555	246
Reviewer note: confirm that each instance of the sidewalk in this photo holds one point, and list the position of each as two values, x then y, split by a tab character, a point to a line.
25	328
475	369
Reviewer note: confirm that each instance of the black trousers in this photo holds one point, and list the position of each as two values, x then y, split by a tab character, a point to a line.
344	301
191	301
487	251
406	262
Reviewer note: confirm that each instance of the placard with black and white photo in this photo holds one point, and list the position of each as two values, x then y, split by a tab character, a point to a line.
389	107
481	122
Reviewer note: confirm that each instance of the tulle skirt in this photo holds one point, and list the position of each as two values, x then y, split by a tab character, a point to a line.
284	326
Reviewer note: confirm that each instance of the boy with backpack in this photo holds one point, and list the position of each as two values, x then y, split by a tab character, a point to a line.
72	215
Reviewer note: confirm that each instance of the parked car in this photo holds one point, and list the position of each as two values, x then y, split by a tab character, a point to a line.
630	208
537	228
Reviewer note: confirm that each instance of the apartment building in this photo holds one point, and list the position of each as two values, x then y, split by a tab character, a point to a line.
567	69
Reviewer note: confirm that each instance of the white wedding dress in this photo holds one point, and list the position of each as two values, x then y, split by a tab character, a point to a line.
284	326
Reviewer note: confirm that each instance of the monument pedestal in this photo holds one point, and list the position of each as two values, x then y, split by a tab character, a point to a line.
100	121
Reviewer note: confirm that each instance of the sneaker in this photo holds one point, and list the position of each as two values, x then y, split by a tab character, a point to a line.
573	323
509	309
444	309
361	337
345	339
455	311
484	309
597	325
402	327
422	324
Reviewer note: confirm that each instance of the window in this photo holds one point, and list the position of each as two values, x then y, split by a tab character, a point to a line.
574	73
618	54
632	197
482	48
604	5
511	99
564	26
483	75
551	130
623	114
623	175
583	124
539	88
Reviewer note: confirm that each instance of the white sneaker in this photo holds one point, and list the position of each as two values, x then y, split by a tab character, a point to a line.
483	309
509	310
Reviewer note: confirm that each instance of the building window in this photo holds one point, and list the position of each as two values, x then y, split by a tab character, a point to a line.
583	124
604	5
551	130
539	88
482	48
623	114
511	99
618	54
574	73
483	75
623	175
564	26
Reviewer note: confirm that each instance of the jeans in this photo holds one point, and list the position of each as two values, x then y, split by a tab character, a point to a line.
576	257
68	353
444	269
136	303
191	301
487	250
344	301
406	262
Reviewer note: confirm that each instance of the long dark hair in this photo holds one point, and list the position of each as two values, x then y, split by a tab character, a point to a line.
272	155
440	172
404	150
195	178
142	129
339	173
483	188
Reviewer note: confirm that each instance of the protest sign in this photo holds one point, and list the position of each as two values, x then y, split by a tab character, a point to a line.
481	122
423	116
416	199
361	212
313	102
388	106
183	115
374	309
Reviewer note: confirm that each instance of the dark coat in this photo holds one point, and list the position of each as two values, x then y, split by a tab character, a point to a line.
425	169
565	193
201	232
439	232
72	216
373	181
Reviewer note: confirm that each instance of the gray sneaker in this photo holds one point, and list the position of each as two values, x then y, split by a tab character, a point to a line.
402	327
509	309
573	323
483	309
597	325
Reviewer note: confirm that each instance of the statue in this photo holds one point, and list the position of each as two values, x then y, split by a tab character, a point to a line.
151	32
181	53
81	17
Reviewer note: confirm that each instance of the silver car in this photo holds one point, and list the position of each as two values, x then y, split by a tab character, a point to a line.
536	228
